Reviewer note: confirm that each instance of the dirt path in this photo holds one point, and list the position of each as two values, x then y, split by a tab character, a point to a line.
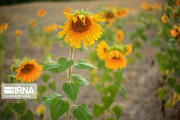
141	103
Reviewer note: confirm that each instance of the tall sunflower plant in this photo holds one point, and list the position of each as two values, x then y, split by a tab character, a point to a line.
3	28
168	55
81	30
23	71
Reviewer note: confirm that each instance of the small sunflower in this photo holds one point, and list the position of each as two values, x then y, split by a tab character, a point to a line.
102	49
33	23
144	5
41	110
120	36
128	49
28	71
41	12
5	26
1	29
81	26
115	60
175	32
18	32
178	2
164	19
54	27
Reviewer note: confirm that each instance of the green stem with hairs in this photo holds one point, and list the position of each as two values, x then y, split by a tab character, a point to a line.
69	79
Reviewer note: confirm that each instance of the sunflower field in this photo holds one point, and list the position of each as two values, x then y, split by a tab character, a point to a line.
90	60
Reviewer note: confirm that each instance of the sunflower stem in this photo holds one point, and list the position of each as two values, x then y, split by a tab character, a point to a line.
69	79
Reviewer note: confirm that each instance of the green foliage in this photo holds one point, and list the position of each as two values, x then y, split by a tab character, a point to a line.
71	89
58	107
171	82
45	77
162	92
27	116
117	110
52	85
80	79
83	64
98	110
7	111
47	100
19	107
82	112
177	88
41	89
64	63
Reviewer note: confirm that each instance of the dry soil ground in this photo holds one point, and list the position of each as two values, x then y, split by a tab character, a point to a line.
142	83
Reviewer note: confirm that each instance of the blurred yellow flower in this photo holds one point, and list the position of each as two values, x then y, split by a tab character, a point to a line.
128	49
54	27
102	50
144	5
164	19
68	9
175	32
120	36
109	16
33	23
178	2
29	71
176	98
41	12
1	29
165	7
81	26
48	29
18	32
5	26
115	60
41	110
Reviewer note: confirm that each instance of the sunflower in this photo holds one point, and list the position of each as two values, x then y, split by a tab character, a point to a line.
178	2
41	12
102	49
1	29
175	32
128	49
164	19
28	71
110	16
54	27
81	26
40	110
144	5
115	60
120	36
33	23
18	32
5	26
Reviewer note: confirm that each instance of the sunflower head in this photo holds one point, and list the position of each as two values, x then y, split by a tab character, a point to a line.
41	110
5	26
81	26
41	12
48	29
164	19
28	70
128	49
178	2
175	32
144	5
102	50
33	23
18	32
119	36
115	60
54	27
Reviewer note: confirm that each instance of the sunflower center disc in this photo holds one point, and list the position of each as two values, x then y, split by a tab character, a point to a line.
109	15
27	68
79	27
